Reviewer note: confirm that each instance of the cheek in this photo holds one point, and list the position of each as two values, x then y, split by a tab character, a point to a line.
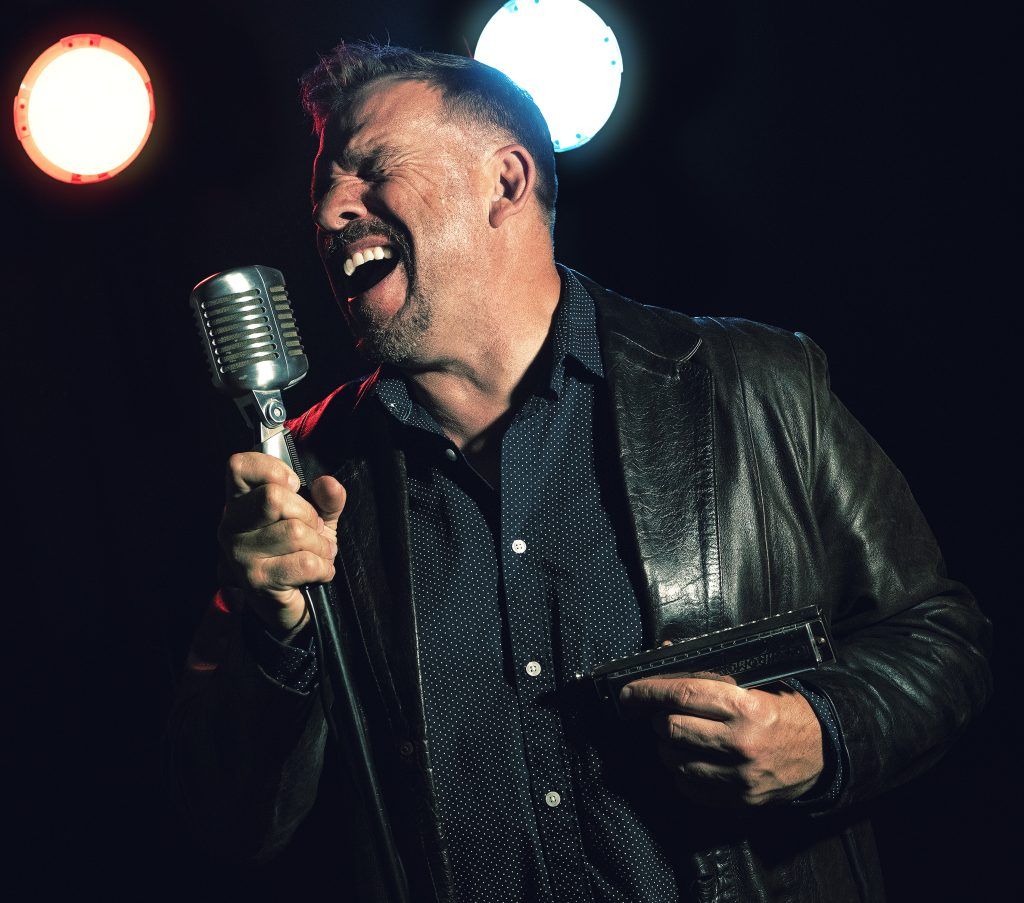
441	218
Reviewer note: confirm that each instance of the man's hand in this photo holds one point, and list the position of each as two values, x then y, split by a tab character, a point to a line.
274	540
727	745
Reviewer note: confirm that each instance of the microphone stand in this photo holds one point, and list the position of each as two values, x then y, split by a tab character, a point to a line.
265	413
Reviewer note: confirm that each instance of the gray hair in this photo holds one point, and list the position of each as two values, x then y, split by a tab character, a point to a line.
469	89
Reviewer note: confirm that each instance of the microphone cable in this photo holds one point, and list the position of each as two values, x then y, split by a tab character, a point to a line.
356	751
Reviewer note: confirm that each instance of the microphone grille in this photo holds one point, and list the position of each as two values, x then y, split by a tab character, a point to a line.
249	331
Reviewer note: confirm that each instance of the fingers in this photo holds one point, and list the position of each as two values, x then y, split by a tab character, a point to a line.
718	699
283	538
329	497
268	504
692	733
247	470
697	763
261	490
283	573
275	540
281	556
707	778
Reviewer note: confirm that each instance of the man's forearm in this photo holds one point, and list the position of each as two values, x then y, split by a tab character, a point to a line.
244	751
911	668
905	689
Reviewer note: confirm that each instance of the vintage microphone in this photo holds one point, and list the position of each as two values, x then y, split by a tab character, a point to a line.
254	351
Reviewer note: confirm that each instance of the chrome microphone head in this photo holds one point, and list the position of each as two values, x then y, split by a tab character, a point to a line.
249	332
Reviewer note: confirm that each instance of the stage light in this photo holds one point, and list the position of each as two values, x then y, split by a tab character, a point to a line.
564	54
85	109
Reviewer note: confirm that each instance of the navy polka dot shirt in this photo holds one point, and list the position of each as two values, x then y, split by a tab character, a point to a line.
543	794
517	587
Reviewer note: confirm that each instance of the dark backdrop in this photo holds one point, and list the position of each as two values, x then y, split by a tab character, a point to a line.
847	169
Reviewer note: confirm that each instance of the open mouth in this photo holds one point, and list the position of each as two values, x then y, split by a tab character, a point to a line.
364	269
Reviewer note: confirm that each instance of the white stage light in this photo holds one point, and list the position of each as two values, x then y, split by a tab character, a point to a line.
564	54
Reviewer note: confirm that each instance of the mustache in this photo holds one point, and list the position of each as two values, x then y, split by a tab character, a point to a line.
333	243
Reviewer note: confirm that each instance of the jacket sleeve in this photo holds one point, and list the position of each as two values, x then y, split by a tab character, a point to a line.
912	645
244	752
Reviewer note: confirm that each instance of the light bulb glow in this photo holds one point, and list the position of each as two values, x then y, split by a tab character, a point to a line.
564	54
85	109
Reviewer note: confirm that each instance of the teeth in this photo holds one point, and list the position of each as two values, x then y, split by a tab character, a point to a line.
360	257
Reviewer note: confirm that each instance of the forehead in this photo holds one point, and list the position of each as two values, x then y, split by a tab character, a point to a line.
391	113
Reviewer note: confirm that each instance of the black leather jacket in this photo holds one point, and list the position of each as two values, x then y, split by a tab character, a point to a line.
752	491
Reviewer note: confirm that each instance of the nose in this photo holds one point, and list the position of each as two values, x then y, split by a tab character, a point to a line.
342	202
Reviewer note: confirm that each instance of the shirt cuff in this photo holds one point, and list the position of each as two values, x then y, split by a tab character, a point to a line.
833	777
293	666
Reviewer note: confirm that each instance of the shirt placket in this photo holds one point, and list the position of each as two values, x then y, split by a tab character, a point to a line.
529	626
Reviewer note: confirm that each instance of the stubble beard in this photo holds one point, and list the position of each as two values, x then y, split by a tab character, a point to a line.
396	340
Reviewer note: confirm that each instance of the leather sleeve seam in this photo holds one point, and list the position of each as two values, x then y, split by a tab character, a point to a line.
819	433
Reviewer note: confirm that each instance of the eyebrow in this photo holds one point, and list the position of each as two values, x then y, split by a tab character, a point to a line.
351	160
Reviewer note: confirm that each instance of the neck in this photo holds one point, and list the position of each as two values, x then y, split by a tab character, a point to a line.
475	391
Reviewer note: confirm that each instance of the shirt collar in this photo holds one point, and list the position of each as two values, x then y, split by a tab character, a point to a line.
574	330
573	335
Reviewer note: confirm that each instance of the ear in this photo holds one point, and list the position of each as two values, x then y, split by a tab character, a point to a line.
514	175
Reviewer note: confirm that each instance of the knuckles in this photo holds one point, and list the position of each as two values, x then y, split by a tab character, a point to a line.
256	575
308	567
294	532
682	694
251	466
750	706
236	465
272	500
673	728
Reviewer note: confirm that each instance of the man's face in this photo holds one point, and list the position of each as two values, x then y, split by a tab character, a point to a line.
399	196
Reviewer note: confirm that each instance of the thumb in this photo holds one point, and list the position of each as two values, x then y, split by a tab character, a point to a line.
328	495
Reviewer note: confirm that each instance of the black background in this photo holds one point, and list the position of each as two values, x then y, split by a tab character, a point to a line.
847	169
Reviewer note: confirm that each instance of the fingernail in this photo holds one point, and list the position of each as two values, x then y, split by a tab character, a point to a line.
294	482
319	524
625	693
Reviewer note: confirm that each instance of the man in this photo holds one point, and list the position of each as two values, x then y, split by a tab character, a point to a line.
539	477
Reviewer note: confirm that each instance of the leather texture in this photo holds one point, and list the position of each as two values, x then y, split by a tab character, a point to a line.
752	491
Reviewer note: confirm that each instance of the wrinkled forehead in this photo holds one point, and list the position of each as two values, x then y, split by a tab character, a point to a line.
390	111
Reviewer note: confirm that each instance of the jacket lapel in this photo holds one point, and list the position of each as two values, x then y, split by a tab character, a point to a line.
375	574
662	407
375	567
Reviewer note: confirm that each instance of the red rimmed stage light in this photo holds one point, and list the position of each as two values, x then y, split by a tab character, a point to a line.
85	109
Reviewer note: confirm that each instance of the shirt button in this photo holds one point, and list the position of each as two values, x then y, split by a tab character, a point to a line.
450	454
533	668
405	748
552	798
518	546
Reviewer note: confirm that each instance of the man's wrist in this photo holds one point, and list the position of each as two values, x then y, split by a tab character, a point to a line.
287	636
830	782
289	660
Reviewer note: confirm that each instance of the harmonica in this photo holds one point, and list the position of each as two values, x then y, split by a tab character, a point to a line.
753	653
